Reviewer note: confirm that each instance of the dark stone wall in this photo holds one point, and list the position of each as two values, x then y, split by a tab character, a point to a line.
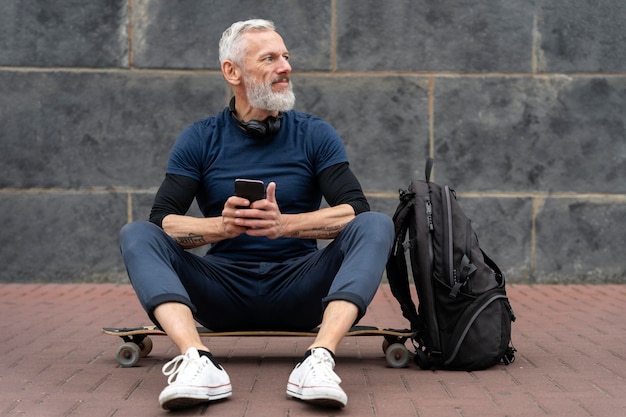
522	105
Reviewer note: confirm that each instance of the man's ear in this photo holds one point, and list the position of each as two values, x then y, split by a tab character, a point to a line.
232	73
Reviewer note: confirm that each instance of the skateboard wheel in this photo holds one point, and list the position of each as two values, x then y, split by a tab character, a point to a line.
397	355
386	344
128	354
145	347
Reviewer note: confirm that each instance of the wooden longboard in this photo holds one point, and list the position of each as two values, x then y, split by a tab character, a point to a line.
204	332
138	344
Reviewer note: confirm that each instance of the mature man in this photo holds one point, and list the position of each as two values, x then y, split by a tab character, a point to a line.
263	269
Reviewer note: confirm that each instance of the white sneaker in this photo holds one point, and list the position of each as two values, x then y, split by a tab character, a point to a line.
313	380
193	379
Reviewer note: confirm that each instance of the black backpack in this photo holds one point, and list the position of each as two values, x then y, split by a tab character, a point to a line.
464	317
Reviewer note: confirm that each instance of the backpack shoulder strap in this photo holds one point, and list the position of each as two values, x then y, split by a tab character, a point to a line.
397	272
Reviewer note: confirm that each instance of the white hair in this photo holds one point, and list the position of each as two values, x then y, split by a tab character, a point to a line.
231	46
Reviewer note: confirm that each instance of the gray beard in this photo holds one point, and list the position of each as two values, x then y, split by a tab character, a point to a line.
261	96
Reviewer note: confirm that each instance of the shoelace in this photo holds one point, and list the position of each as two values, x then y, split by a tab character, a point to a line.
174	367
326	372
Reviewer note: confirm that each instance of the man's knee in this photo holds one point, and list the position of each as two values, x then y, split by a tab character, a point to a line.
138	235
376	226
138	229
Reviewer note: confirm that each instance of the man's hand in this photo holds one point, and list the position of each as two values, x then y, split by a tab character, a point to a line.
262	218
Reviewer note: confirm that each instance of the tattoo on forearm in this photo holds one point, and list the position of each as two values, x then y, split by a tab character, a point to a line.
324	232
191	239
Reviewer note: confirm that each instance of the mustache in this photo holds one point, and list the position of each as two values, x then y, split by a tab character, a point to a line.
280	79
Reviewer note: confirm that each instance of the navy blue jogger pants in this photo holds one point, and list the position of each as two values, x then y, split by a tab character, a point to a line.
224	294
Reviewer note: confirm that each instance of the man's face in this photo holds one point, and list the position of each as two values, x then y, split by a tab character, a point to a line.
266	72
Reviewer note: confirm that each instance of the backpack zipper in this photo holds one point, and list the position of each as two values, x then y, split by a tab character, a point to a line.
434	335
431	227
429	213
448	236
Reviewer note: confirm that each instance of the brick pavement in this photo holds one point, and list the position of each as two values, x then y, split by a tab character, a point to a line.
571	361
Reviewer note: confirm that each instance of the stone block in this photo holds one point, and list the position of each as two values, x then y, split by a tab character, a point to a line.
97	129
383	122
581	36
581	241
531	135
141	203
61	237
190	36
64	33
466	36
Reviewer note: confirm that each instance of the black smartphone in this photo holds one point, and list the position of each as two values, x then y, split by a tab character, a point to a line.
251	190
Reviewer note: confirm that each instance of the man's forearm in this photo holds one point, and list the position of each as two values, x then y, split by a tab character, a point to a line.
191	232
325	223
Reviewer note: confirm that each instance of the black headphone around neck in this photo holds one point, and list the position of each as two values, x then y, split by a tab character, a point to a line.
259	129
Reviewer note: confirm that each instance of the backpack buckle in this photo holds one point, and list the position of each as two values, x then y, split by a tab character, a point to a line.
406	195
408	244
